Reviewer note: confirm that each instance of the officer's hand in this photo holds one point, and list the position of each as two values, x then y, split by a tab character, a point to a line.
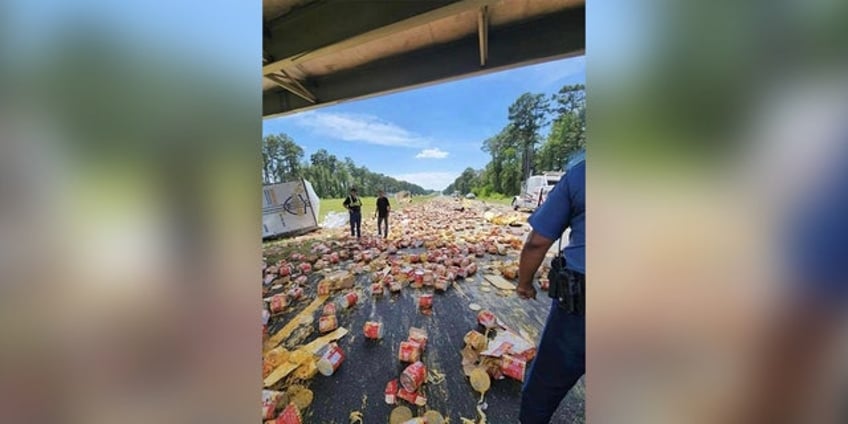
526	292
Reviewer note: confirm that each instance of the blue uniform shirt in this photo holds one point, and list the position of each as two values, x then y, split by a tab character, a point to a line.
818	247
566	207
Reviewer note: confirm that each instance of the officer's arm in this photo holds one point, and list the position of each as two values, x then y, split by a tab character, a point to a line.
548	222
532	256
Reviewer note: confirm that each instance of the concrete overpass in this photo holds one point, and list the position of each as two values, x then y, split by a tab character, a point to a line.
322	52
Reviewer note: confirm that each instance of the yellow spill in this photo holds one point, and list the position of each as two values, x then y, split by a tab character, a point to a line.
482	414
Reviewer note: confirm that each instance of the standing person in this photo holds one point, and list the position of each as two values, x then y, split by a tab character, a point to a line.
354	206
382	214
561	357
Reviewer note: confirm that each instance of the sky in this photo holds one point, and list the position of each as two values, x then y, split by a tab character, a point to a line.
429	135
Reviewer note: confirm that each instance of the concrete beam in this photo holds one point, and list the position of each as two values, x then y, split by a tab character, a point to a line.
292	85
483	33
377	33
554	36
323	23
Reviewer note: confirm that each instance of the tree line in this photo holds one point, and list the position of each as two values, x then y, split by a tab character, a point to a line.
519	151
282	160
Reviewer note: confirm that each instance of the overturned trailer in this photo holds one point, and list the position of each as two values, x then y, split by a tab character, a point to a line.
289	208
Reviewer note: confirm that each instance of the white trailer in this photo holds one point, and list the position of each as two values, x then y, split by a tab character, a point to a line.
289	208
535	190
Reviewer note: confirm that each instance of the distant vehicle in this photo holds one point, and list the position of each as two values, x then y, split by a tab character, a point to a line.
470	196
535	190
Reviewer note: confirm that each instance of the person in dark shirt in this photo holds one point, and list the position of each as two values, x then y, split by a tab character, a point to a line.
353	204
561	357
382	214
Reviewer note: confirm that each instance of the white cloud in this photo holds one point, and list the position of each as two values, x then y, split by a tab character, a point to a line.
429	180
435	153
359	127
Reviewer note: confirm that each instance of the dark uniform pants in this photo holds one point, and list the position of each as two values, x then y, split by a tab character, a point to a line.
560	361
383	224
355	221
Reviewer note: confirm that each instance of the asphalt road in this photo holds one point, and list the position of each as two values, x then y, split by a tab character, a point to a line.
359	383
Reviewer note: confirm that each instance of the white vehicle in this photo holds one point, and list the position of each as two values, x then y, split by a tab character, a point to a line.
535	190
289	208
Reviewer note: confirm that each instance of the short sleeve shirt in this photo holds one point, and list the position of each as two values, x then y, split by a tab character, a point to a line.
382	206
818	243
565	208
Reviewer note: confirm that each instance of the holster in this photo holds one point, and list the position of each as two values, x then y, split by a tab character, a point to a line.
568	287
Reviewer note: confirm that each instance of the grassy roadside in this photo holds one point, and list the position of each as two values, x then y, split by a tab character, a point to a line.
273	250
499	200
369	205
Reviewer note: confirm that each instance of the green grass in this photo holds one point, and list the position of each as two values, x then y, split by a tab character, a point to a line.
369	205
502	200
274	250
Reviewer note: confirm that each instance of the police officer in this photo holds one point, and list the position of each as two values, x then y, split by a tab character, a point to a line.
354	206
560	360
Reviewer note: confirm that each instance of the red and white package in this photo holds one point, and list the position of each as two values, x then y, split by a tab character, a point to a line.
418	335
290	415
425	301
268	411
441	284
409	351
513	367
391	392
527	355
278	303
373	330
285	270
296	293
324	288
497	349
413	376
407	395
420	399
327	323
487	319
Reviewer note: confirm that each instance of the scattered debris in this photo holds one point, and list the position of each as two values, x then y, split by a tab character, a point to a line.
480	380
434	377
433	417
391	392
373	330
300	396
428	251
400	415
500	282
290	415
331	360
